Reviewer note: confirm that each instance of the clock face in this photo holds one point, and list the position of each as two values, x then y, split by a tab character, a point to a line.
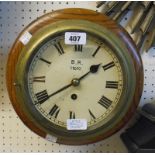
75	81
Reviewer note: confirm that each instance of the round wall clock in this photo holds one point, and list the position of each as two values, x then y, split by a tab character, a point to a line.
74	76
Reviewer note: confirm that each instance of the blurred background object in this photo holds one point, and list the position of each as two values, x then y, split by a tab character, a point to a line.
141	136
140	26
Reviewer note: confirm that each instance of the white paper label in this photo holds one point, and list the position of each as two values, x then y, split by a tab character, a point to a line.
76	124
51	138
25	38
75	38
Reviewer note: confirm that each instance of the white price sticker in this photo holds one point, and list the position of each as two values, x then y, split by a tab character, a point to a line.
76	124
51	138
25	38
75	38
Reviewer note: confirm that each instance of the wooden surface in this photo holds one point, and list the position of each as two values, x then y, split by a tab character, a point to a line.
73	14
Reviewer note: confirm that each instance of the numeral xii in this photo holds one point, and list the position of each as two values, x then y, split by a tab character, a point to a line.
78	48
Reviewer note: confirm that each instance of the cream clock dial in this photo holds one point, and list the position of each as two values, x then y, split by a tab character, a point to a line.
76	79
57	65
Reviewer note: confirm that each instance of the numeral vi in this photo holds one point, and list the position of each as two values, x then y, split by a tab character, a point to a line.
72	115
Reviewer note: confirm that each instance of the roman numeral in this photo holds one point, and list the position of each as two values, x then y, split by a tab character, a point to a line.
105	102
59	48
44	60
78	48
42	96
109	65
96	51
91	114
112	84
39	79
72	115
54	111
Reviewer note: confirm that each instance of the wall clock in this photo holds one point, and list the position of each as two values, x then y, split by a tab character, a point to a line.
74	76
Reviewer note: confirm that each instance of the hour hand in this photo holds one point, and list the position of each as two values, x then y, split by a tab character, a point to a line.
93	69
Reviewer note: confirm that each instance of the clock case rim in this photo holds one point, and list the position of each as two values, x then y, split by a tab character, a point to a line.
71	141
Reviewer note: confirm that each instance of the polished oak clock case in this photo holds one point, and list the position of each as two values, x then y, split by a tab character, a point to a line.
76	93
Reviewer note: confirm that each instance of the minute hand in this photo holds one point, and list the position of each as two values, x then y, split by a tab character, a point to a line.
58	91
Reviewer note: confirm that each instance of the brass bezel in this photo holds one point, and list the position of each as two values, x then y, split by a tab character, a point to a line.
98	31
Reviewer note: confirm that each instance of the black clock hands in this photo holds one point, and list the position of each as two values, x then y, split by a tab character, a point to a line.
58	91
93	69
76	81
